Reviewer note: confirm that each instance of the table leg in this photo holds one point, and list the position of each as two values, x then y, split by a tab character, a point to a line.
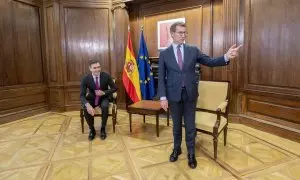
130	122
144	118
157	126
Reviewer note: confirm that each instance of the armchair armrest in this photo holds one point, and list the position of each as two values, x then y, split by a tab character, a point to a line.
114	97
222	106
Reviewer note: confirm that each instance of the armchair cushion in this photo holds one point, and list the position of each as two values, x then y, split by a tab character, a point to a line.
206	121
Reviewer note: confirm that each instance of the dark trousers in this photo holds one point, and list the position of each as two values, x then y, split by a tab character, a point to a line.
103	103
186	109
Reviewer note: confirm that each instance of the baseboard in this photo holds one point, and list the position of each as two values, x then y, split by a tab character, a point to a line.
75	107
276	129
234	118
10	117
57	108
122	106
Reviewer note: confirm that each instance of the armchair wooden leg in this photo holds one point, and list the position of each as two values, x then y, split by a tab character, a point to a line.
113	122
130	122
215	146
82	121
114	119
144	118
225	135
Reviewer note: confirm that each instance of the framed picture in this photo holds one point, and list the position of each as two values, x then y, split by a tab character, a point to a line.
164	38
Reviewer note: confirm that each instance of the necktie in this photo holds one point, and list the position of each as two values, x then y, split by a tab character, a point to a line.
180	61
179	57
97	88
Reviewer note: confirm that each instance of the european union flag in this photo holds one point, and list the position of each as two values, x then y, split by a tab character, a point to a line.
146	75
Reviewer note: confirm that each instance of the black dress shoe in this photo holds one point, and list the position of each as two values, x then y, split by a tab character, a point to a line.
192	161
91	135
102	133
174	155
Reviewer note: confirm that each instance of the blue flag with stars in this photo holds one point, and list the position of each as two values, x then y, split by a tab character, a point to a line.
145	71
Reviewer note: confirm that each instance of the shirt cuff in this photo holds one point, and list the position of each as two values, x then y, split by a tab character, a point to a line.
226	58
163	98
86	104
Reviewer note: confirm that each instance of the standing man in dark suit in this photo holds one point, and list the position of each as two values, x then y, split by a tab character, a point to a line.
178	86
97	84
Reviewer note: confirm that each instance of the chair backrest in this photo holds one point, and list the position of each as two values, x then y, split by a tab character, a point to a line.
212	94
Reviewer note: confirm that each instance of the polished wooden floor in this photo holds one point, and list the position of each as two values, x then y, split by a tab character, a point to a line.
51	146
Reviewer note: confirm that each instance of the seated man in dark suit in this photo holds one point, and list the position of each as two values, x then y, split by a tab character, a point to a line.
100	86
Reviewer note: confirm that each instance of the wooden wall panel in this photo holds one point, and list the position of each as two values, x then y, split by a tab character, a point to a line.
287	110
121	22
21	57
15	102
8	72
22	70
53	53
219	73
27	43
229	73
274	43
56	99
86	37
50	45
268	69
271	47
72	99
207	37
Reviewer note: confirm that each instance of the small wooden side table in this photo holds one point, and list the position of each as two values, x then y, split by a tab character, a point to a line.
147	107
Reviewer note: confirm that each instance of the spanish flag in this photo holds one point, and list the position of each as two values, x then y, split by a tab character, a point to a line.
130	74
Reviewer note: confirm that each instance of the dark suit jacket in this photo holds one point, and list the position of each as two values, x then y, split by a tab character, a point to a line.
88	82
170	76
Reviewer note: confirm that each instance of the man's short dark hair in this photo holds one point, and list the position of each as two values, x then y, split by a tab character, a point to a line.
174	25
93	61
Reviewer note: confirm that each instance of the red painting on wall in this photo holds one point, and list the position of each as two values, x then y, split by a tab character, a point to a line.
164	38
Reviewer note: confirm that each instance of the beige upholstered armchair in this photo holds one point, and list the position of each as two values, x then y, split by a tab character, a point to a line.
212	110
112	111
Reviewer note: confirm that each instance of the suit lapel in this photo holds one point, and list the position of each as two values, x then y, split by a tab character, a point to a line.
171	52
185	56
101	84
92	81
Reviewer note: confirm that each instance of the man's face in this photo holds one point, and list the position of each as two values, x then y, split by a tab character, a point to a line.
95	69
179	35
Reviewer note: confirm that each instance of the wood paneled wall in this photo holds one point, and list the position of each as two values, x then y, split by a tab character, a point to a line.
269	68
76	31
22	70
46	44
